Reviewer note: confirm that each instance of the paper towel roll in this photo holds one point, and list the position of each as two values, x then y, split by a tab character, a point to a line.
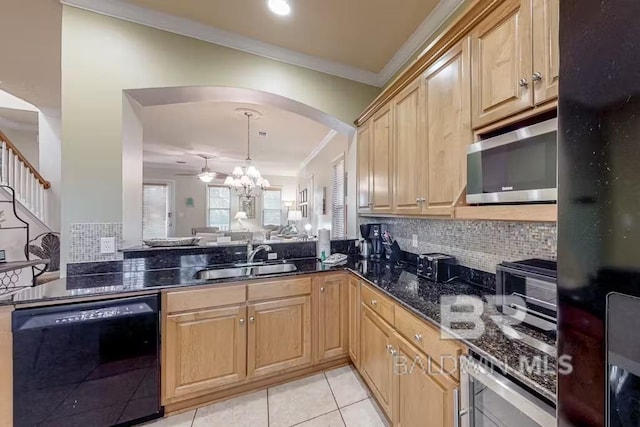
324	242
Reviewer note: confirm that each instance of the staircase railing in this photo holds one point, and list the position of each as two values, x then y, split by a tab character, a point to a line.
17	172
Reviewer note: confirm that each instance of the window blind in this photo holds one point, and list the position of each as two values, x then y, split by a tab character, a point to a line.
272	208
338	206
219	202
155	211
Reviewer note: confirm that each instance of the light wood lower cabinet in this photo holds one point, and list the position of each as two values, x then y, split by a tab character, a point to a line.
354	321
419	394
331	292
279	335
376	340
6	367
204	350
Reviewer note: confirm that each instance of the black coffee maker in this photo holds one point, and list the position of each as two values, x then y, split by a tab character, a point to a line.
372	235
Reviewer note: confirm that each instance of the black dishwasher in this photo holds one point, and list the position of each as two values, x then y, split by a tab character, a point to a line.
91	364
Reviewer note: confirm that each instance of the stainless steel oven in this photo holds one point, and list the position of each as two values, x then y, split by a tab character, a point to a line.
515	167
527	290
491	399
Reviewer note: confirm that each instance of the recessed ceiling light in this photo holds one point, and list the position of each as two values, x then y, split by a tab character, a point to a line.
279	7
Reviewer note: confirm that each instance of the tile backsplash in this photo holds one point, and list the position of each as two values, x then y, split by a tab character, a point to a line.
85	241
476	244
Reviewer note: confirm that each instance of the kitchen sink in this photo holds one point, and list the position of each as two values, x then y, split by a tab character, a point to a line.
223	273
256	270
273	269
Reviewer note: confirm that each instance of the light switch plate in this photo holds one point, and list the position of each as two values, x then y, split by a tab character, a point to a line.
107	245
414	240
272	255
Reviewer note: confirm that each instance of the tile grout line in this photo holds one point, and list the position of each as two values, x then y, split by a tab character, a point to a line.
334	398
317	416
359	401
193	420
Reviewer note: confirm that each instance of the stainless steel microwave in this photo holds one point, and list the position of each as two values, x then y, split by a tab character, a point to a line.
515	167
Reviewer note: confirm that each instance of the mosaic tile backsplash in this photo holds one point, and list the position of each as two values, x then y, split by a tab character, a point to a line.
85	241
477	244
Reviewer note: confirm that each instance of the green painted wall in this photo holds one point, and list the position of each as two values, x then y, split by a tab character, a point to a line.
102	56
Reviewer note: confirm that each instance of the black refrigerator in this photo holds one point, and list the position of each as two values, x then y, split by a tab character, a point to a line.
599	212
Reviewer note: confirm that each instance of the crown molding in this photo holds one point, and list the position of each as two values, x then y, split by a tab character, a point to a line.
327	139
186	27
425	30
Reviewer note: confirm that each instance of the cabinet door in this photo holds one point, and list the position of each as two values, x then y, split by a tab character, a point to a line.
408	150
375	357
447	88
381	161
332	293
420	392
364	169
501	63
204	350
354	322
546	50
279	335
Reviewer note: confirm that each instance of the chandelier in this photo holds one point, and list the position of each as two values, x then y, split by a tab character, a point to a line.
246	180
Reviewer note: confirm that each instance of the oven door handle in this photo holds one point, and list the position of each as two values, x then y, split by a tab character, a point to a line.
533	312
538	301
533	407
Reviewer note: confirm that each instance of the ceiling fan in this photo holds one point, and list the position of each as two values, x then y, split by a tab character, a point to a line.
205	175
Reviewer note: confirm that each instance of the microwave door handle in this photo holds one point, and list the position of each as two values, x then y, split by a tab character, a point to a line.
537	301
533	312
530	405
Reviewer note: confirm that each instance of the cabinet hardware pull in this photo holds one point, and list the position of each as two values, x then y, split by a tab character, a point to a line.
389	346
322	289
251	319
537	76
242	321
523	83
374	302
417	337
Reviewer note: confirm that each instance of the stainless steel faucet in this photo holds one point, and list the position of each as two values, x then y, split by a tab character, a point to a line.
251	253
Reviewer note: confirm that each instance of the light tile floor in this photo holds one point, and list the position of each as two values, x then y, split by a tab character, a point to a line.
336	398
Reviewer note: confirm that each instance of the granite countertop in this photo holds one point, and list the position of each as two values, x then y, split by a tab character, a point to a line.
418	295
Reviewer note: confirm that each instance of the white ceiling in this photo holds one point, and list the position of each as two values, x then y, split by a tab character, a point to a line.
180	132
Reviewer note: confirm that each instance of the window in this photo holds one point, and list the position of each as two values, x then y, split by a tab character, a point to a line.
219	207
272	207
155	211
338	194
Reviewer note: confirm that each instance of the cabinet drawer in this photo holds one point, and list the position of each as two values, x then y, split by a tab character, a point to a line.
444	353
205	298
279	289
377	302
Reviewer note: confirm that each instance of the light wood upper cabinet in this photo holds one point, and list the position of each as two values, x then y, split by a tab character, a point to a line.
418	394
546	50
354	321
501	57
408	141
364	169
203	350
376	367
331	293
447	107
381	161
279	335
